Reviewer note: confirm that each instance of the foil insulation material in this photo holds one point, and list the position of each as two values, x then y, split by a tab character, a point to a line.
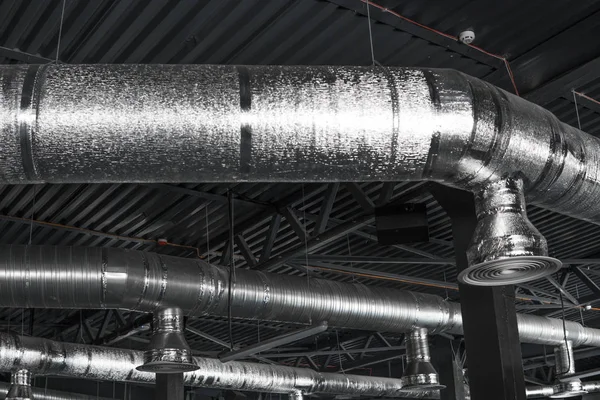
97	278
47	357
206	123
47	394
565	360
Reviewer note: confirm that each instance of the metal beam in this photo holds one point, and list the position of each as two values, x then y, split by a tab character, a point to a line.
562	289
586	280
331	352
361	197
449	370
28	58
315	243
244	249
367	362
270	237
274	342
326	207
294	222
576	78
378	260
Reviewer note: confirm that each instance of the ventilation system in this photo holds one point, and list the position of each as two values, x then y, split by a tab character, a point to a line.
80	123
168	351
47	357
20	386
419	373
88	278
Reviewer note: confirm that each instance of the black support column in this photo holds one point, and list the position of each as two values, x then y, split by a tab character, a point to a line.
169	387
489	316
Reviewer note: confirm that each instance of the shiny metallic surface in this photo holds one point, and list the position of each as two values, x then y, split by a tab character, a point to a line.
565	360
75	278
296	395
20	385
419	373
571	388
183	123
506	248
591	387
47	394
168	351
534	392
47	357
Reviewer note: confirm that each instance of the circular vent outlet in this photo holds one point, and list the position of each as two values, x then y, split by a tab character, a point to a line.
508	271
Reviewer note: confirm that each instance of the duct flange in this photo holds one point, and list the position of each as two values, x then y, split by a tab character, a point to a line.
506	248
168	351
20	386
419	373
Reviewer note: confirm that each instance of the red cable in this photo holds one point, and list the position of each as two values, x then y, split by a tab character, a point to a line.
447	36
585	96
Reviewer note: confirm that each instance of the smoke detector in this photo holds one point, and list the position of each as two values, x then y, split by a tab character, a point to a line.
466	37
506	248
168	351
419	373
20	386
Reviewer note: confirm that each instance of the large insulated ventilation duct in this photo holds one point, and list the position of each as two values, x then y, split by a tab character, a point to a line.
207	123
47	357
76	278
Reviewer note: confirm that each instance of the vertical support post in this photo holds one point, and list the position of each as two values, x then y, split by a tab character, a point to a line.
169	387
489	315
450	373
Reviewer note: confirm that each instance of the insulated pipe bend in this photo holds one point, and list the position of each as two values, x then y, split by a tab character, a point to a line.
205	123
75	278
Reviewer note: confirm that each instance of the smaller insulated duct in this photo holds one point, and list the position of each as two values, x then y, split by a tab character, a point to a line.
47	357
505	248
20	386
419	373
566	384
47	394
168	351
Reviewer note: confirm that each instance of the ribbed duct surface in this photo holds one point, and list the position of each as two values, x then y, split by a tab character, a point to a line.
42	356
205	123
47	394
75	278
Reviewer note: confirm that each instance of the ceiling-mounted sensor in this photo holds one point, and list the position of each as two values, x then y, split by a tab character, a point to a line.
466	37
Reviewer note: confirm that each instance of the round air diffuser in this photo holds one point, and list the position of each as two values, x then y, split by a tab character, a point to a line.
506	248
509	271
168	352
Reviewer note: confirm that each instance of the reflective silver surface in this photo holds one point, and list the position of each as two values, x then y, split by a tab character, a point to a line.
47	394
20	385
565	360
75	278
188	123
168	351
47	357
506	248
419	373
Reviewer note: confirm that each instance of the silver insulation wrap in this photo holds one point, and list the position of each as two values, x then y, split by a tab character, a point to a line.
75	278
47	394
47	357
206	123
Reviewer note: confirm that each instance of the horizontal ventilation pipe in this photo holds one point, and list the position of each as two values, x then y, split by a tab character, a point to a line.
47	357
75	278
207	123
47	394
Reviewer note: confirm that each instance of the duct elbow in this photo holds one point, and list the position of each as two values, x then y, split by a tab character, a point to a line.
506	248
